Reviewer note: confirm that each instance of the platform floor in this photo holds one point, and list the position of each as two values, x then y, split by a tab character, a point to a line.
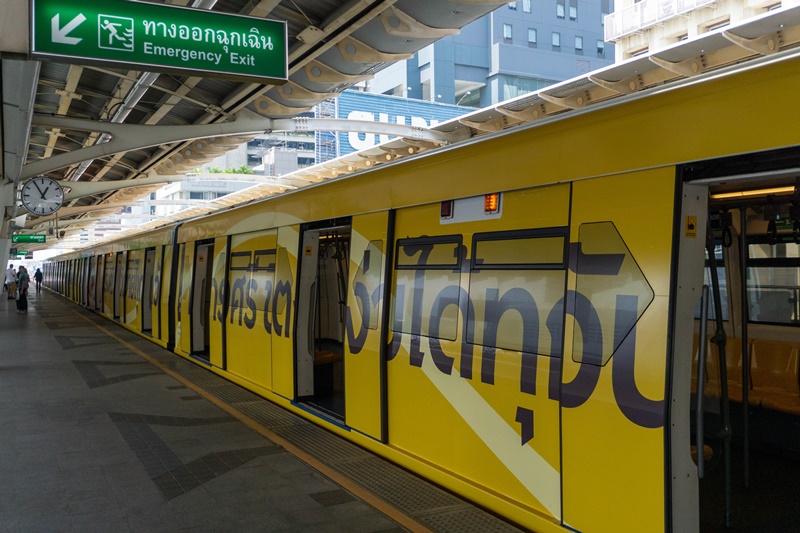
102	430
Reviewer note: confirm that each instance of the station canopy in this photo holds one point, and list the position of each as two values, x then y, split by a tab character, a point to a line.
331	45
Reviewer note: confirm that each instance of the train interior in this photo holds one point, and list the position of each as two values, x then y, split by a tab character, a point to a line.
745	378
321	318
201	298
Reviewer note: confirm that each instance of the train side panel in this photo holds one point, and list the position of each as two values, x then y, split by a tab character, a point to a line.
615	360
474	357
364	382
134	274
249	319
163	284
183	321
283	311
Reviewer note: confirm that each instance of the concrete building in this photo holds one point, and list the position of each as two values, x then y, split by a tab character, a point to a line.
518	48
637	27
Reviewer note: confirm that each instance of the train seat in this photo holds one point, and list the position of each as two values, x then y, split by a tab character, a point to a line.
774	371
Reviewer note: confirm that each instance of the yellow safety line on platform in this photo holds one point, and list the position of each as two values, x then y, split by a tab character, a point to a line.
357	490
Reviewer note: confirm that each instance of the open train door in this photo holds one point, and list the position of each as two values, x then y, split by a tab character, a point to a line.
365	339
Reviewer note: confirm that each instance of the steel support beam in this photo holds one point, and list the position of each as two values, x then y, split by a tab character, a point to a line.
127	137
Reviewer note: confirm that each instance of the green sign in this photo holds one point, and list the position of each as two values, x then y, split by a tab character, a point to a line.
40	239
159	37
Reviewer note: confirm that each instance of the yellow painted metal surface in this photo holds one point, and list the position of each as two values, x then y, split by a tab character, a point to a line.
613	415
454	401
134	277
283	311
249	319
183	325
363	401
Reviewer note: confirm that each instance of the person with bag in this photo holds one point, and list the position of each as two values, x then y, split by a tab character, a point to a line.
23	281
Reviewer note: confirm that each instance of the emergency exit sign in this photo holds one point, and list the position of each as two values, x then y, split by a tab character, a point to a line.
35	238
159	37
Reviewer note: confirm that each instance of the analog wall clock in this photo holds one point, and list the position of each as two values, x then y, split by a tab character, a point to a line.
42	195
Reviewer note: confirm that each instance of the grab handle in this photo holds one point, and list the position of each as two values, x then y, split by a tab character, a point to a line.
701	370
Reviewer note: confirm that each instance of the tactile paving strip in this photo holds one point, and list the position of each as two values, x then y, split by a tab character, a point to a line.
323	445
233	394
269	415
397	486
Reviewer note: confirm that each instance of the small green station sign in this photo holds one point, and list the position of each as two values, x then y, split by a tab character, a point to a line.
35	238
159	37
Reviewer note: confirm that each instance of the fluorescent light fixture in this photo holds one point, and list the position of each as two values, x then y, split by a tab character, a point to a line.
754	192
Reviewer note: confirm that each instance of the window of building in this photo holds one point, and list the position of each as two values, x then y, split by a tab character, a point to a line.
512	5
573	9
556	39
526	6
578	44
560	9
532	37
601	48
717	24
195	195
514	86
507	31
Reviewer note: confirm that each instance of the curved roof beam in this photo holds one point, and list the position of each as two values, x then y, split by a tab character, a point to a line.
764	45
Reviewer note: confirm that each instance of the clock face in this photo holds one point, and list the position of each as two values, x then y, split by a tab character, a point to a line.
42	196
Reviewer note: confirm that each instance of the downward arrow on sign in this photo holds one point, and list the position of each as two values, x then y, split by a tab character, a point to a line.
60	34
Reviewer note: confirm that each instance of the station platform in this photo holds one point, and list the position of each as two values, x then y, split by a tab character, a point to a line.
102	430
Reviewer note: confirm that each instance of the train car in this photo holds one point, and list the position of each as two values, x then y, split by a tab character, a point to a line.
518	317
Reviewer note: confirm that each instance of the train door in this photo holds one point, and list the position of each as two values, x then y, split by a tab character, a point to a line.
119	286
364	360
614	373
735	396
91	286
321	301
98	298
282	310
147	290
201	298
87	266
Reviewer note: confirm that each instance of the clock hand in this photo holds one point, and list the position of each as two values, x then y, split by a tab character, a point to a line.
37	188
45	192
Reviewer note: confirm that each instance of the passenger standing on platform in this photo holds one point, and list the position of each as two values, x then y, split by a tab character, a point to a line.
38	277
11	282
23	280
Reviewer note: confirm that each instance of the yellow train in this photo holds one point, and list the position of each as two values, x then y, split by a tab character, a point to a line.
517	317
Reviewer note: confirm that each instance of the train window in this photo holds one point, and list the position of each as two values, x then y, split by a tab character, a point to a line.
240	260
611	293
265	260
723	285
254	289
426	292
518	250
517	279
429	253
773	283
